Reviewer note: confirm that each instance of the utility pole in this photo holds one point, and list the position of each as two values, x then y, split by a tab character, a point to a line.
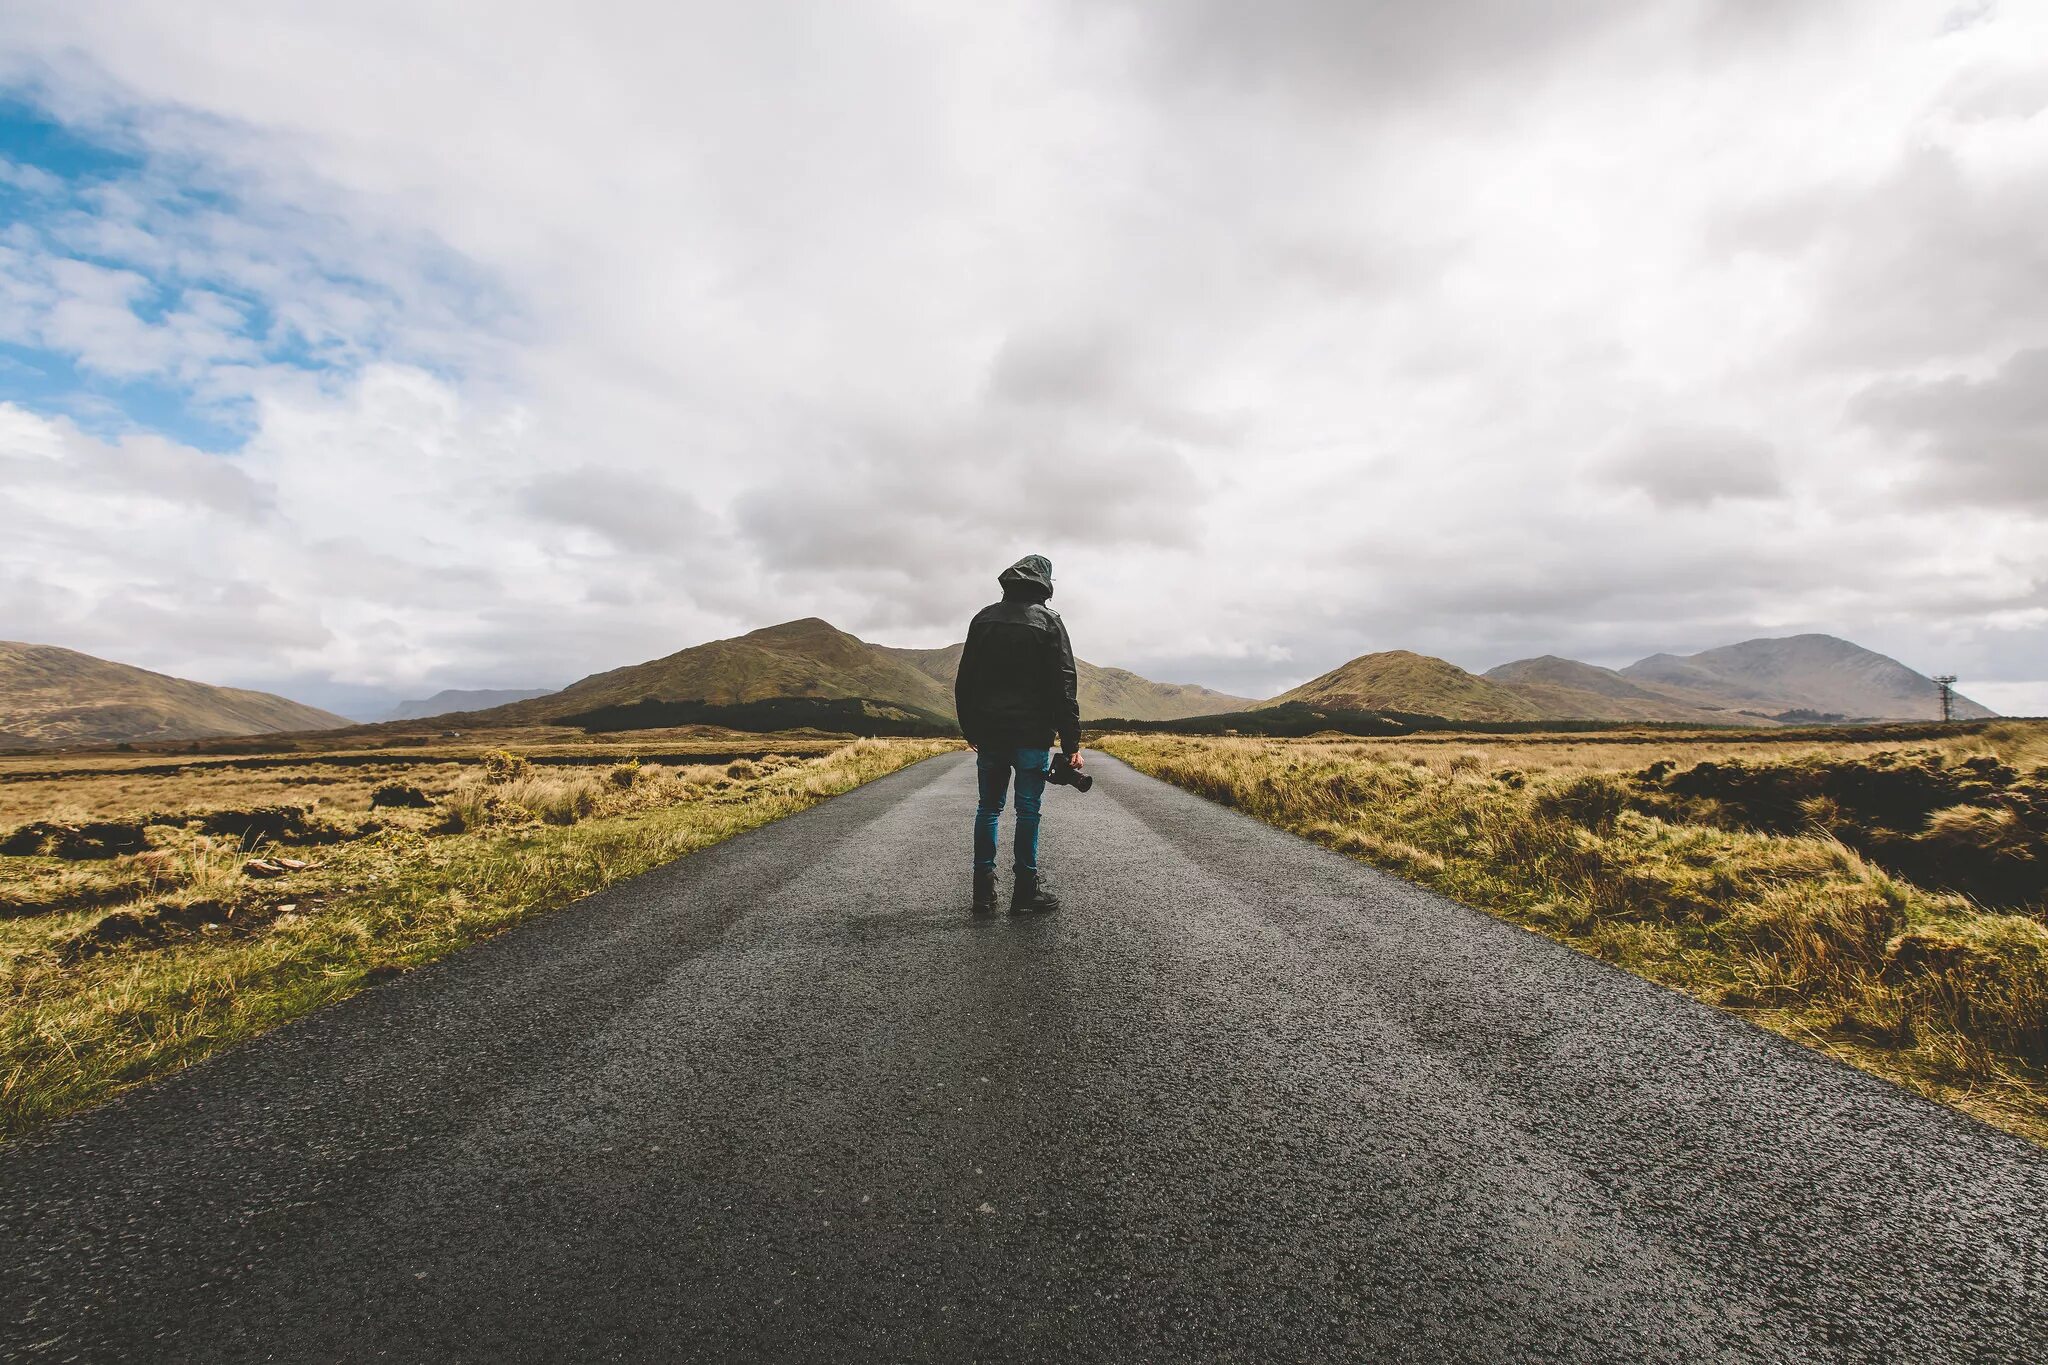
1947	683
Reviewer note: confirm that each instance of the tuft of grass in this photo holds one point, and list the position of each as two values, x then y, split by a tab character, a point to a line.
1662	868
198	955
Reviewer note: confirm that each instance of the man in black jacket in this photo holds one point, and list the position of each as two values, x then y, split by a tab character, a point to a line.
1015	694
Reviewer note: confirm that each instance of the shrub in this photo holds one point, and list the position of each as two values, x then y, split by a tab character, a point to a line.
1827	931
624	774
1988	979
1594	800
564	803
501	765
464	809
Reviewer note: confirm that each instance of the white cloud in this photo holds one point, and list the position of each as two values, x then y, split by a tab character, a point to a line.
1356	326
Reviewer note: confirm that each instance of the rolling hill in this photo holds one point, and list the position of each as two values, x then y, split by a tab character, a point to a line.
806	658
812	658
51	697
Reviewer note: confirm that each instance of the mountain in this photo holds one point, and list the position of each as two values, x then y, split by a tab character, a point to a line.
1102	692
1799	678
1398	680
812	658
53	696
807	658
1813	674
1565	689
461	699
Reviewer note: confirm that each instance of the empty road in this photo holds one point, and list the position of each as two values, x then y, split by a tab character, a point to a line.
1243	1099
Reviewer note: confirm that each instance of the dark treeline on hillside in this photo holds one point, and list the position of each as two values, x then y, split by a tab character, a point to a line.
838	715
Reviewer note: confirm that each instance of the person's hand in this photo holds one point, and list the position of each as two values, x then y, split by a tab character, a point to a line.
1075	759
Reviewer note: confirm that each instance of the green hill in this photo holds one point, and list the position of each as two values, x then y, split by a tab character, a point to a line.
807	658
1399	680
51	696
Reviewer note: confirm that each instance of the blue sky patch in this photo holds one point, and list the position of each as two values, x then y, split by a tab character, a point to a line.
234	283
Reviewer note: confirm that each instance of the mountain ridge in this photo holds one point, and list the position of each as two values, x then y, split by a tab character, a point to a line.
1762	681
810	657
1815	673
52	697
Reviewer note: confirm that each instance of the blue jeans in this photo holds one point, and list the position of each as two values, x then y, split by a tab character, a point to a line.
993	767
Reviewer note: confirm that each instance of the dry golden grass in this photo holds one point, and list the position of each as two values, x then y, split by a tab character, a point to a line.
120	969
1797	931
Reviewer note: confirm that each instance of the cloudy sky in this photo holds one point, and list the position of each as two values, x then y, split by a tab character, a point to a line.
360	350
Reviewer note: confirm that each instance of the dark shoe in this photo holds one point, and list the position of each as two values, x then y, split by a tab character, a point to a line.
1029	895
984	891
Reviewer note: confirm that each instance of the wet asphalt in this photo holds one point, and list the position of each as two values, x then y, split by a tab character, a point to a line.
1243	1099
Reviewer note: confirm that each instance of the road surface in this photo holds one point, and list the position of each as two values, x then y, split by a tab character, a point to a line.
1243	1099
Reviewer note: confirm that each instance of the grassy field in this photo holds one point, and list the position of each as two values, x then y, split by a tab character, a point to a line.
154	908
1885	902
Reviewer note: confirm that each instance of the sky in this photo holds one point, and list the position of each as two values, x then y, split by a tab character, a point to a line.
356	351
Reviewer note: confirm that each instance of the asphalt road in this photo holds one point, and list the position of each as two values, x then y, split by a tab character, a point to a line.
1243	1099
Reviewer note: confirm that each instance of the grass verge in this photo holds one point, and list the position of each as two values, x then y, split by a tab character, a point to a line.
1683	871
124	968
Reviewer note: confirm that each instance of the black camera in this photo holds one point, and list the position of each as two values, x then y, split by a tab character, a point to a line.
1062	774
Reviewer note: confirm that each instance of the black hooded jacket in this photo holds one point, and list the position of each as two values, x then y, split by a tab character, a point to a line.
1016	683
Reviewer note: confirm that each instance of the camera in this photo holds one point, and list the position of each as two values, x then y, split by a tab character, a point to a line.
1062	774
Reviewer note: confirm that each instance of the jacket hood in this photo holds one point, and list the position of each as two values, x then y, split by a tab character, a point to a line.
1029	578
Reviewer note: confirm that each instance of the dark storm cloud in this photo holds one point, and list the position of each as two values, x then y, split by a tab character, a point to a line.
1046	382
1928	261
634	512
1694	466
1981	439
940	497
1068	368
1362	50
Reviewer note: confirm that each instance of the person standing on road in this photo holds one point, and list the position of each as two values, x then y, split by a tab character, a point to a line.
1015	695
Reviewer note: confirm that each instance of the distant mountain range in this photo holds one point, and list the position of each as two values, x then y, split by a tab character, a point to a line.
52	697
461	699
1798	679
